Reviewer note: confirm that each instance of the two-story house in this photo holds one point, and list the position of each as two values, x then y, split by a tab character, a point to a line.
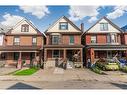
103	40
3	30
22	42
63	40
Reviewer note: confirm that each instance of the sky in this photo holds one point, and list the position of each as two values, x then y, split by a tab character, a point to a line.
44	16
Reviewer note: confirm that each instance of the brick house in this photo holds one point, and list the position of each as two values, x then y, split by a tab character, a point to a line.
22	42
3	31
103	40
63	40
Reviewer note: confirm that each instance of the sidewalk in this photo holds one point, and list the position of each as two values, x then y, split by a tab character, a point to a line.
69	74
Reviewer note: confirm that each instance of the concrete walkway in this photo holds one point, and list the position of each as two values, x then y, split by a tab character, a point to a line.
65	75
57	78
53	74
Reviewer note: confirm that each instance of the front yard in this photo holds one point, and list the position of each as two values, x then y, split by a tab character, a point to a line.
28	71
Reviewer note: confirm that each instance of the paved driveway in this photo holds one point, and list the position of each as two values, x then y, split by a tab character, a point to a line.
6	70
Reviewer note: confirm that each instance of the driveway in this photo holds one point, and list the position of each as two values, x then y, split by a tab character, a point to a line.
6	70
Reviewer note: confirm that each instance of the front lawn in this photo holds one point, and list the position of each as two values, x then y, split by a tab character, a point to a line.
29	71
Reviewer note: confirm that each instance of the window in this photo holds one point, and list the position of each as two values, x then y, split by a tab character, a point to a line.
93	39
104	26
56	54
63	26
34	40
71	39
16	55
16	40
113	38
25	28
55	39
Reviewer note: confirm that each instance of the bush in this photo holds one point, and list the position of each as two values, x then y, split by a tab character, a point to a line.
124	69
96	70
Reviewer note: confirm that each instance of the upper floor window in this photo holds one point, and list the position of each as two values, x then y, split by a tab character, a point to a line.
104	26
63	26
71	39
93	39
111	38
16	40
34	40
55	39
25	28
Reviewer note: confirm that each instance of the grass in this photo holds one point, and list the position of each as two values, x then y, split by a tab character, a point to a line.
29	71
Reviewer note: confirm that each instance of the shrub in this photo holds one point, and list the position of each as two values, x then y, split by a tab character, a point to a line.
96	70
124	69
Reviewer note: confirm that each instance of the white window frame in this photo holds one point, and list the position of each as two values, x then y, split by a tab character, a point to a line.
63	24
34	40
95	39
16	40
104	26
53	37
113	38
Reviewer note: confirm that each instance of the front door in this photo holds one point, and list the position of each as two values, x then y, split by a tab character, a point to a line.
69	55
32	55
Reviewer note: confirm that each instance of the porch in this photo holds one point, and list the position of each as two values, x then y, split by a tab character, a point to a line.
12	58
62	54
95	53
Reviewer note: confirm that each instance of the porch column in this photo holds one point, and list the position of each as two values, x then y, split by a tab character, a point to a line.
64	54
40	57
35	55
81	55
45	54
92	55
19	66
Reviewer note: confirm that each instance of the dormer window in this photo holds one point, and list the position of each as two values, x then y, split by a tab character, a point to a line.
104	26
25	28
63	26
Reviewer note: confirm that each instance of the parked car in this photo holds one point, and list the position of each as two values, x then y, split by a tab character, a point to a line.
107	64
123	62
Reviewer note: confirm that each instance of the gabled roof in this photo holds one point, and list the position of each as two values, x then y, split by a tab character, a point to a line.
124	28
30	23
63	17
109	21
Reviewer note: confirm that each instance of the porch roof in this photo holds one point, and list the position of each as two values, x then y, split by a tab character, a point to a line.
63	46
108	47
19	48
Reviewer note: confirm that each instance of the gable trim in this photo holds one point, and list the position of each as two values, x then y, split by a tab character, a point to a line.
109	21
63	17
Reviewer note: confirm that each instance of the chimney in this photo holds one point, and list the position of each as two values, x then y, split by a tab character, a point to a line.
82	27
